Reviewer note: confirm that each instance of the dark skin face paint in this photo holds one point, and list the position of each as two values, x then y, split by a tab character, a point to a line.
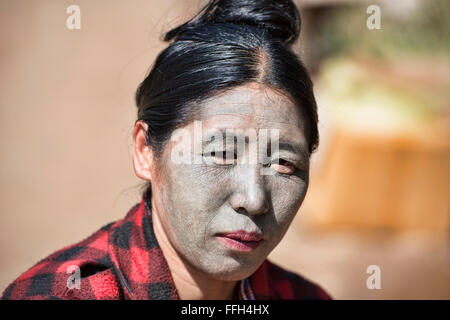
195	202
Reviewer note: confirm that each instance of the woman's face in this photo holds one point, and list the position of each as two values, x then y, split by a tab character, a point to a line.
203	197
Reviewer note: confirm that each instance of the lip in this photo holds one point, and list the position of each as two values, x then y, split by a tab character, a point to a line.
241	240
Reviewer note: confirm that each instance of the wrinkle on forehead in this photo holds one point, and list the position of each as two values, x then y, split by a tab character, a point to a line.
253	106
257	104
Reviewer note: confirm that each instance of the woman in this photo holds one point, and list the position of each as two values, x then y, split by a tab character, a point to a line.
227	90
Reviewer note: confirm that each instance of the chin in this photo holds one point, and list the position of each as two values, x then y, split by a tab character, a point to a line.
232	268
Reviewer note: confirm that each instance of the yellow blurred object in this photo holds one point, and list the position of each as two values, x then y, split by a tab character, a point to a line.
392	181
388	155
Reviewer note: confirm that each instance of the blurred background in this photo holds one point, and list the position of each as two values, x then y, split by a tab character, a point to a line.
380	181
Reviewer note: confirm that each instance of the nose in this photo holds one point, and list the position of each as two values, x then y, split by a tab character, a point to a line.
251	196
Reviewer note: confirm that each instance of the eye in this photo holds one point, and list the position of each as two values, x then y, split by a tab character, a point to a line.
284	167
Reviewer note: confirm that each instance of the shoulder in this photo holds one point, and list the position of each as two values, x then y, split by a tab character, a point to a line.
274	282
78	271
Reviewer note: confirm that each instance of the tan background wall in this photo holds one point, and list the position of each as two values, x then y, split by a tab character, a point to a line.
66	115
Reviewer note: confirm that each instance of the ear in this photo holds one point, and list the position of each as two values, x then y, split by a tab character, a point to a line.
142	153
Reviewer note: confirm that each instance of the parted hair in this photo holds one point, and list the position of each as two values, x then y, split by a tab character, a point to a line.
227	44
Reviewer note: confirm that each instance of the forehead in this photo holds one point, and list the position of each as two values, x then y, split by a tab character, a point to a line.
256	107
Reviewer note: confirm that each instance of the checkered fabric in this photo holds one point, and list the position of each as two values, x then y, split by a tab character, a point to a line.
123	260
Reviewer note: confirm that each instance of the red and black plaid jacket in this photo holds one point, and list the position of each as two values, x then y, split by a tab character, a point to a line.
123	260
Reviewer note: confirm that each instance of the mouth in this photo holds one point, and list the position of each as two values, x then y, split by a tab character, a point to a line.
241	240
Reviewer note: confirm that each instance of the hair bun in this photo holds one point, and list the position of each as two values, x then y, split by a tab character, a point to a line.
280	18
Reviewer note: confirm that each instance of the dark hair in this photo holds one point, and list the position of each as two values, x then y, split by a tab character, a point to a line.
227	44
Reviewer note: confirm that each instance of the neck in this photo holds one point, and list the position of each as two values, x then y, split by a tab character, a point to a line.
191	284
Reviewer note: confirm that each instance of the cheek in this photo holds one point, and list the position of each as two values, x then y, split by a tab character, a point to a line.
287	197
192	196
199	187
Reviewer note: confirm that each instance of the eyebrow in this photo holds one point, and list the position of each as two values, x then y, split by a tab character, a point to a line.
286	145
294	148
